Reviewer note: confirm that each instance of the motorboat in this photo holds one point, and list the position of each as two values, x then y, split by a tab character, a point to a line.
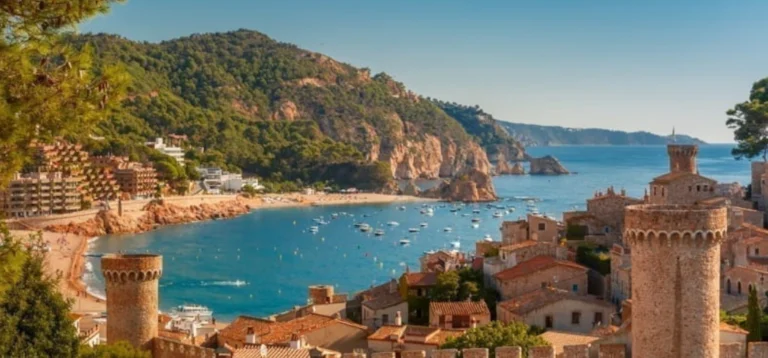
379	232
357	224
455	244
476	211
423	224
401	208
404	242
475	220
413	229
393	223
447	229
365	227
487	238
193	311
498	214
314	229
475	225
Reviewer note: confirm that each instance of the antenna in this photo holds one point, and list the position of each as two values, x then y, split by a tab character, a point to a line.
674	137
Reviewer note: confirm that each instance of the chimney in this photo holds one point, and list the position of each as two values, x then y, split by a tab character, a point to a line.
250	336
295	341
398	319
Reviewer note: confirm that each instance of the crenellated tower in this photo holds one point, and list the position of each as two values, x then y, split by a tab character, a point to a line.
675	279
132	289
682	158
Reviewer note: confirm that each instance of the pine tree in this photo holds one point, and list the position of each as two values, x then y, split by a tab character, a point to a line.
754	317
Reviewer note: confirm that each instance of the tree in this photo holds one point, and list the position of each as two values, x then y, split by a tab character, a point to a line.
116	350
47	88
754	317
749	121
497	334
34	316
468	291
447	287
249	190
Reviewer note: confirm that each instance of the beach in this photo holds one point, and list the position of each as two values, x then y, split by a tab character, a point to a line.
66	256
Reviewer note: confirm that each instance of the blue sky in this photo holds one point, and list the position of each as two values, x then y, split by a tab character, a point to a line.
650	65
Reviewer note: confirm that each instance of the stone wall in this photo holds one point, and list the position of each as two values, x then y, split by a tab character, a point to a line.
169	348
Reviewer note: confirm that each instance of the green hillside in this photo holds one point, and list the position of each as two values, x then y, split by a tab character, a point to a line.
532	135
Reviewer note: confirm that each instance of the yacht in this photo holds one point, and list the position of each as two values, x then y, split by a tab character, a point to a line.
365	227
488	238
314	229
455	244
193	311
475	220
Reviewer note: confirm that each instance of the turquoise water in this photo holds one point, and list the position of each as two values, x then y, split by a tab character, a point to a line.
262	263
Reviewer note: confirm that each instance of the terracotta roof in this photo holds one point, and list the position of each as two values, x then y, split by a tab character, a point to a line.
280	332
236	330
163	319
274	351
385	332
420	279
521	245
442	335
459	308
534	265
179	336
384	301
415	334
382	296
752	240
751	228
745	270
559	339
75	316
670	177
730	328
543	297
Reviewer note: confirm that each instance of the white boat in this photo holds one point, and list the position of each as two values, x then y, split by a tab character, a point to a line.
193	311
401	208
318	220
379	232
393	223
314	229
476	211
455	244
365	227
423	224
488	238
475	225
498	214
430	212
413	229
323	222
475	220
447	229
404	242
334	215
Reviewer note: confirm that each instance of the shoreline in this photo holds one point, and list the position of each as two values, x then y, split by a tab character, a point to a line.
67	256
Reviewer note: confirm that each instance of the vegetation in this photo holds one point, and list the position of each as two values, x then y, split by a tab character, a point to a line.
749	121
486	130
462	285
754	317
596	258
497	334
116	350
535	136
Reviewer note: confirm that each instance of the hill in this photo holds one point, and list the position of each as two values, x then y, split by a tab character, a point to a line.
278	111
532	135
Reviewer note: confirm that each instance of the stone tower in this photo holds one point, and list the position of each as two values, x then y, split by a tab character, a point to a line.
682	157
320	294
132	283
675	279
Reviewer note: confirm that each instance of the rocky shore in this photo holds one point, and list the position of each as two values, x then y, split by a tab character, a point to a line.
547	165
471	187
156	213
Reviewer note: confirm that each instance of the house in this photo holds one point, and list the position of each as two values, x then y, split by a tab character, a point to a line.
738	280
536	227
441	261
87	329
383	304
409	338
419	284
559	339
557	309
170	150
681	188
751	252
603	221
541	271
735	235
297	348
458	315
511	255
621	267
320	331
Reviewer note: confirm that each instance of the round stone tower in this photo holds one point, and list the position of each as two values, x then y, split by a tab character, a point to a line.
682	157
132	283
321	294
675	279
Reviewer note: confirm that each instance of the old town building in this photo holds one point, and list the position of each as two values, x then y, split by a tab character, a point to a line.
539	272
459	315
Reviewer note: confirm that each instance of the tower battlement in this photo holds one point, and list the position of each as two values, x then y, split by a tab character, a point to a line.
123	268
682	157
675	224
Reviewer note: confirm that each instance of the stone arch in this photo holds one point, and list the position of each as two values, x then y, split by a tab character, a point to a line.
132	276
141	276
676	238
123	277
710	236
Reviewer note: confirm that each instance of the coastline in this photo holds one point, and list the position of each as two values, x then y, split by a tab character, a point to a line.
68	250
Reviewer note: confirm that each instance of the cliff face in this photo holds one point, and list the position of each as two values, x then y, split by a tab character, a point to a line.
473	186
547	165
503	167
155	214
432	158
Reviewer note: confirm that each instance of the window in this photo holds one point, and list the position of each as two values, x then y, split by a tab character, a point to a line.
662	191
698	187
418	292
598	318
690	188
607	229
728	286
548	322
575	317
654	190
575	288
543	285
384	319
738	288
542	226
757	251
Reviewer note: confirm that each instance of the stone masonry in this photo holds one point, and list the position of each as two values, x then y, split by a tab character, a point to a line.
131	285
682	157
675	279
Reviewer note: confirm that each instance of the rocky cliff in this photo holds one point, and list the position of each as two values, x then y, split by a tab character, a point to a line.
547	165
155	214
503	167
473	186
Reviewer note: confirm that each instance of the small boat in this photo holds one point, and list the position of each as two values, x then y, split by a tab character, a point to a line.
430	212
335	215
404	242
317	220
401	208
323	222
476	211
393	223
465	215
447	229
423	224
365	227
488	238
193	311
455	210
379	232
357	224
475	220
413	229
313	229
498	214
475	225
455	244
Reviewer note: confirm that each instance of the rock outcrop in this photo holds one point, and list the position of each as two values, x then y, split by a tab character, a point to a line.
503	167
155	214
411	189
517	169
547	165
471	187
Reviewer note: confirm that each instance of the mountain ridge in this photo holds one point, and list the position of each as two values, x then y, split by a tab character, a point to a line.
534	135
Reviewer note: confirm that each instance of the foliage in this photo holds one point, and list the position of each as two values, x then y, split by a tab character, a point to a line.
754	317
447	287
249	190
490	134
492	252
114	350
595	258
575	232
47	88
34	320
749	121
497	334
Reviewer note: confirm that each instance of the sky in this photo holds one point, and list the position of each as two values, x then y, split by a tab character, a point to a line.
645	65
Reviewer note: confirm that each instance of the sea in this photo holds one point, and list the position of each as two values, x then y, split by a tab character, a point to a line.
262	263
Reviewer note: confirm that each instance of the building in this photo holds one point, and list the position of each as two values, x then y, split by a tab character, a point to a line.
137	180
441	261
675	251
621	279
536	227
682	185
511	255
296	349
751	252
557	309
167	149
87	330
399	339
215	180
603	221
383	304
459	315
419	284
41	193
541	271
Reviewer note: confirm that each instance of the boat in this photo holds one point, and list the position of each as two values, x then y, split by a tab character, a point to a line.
404	242
357	224
487	237
430	212
453	210
476	211
498	214
401	208
365	227
413	229
475	225
323	222
393	223
455	244
475	220
314	229
447	229
379	232
423	224
193	311
465	215
335	215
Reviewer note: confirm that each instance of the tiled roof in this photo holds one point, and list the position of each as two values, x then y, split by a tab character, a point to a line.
442	335
384	301
521	245
730	328
751	228
274	351
741	270
179	336
559	339
280	332
420	279
415	334
534	265
459	308
670	177
543	297
75	316
237	330
163	319
752	240
385	332
382	296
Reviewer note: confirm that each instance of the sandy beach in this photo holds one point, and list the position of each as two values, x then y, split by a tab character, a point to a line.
66	256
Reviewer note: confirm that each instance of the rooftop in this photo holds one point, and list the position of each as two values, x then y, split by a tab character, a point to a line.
420	279
521	245
459	308
276	351
415	334
674	176
534	265
560	339
546	296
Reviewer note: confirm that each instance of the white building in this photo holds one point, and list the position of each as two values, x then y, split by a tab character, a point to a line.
175	152
216	180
